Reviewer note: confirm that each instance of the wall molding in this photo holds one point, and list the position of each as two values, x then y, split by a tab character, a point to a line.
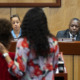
57	4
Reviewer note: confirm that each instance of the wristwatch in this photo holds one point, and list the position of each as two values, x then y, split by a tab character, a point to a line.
5	54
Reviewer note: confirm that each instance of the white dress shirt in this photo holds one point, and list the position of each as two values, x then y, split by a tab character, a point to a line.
71	36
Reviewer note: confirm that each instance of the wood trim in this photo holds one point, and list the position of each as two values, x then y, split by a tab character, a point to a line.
57	4
64	75
68	48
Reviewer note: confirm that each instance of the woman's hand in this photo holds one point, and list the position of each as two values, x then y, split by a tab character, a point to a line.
3	49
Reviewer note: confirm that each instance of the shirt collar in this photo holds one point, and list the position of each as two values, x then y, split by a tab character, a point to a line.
71	36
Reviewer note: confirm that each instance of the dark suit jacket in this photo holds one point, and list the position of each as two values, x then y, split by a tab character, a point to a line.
65	34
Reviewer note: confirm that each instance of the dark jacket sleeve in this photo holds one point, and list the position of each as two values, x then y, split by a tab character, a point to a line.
60	34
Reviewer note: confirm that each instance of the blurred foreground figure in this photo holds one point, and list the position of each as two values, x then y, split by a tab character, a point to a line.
5	39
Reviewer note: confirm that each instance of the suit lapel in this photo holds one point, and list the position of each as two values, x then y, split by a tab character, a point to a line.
66	34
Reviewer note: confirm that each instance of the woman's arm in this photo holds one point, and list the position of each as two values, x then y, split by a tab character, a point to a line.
18	66
4	51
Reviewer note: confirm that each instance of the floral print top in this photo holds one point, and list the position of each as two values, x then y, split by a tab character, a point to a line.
27	67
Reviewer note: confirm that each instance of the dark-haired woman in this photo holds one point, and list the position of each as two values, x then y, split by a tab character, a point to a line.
5	39
36	51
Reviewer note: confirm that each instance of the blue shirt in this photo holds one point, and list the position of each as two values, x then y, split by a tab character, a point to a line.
13	34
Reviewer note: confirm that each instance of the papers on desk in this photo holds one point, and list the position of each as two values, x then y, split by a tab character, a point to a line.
65	39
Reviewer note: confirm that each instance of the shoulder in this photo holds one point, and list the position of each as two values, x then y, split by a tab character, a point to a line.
53	40
62	33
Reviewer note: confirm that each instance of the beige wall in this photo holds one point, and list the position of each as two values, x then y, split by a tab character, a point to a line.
58	19
5	13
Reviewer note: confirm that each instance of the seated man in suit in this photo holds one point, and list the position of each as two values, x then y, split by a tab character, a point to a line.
72	32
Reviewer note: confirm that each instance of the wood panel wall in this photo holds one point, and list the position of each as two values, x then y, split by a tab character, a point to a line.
77	67
58	19
68	59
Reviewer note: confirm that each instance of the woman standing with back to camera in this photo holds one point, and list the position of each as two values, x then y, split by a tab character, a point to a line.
36	51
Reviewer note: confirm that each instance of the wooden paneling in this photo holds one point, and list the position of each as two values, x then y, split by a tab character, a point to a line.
30	3
68	59
77	67
27	1
20	11
58	19
5	13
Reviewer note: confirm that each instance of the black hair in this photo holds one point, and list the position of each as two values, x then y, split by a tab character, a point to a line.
35	28
76	19
5	32
73	20
15	15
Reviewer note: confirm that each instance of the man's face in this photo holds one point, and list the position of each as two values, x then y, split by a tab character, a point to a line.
74	27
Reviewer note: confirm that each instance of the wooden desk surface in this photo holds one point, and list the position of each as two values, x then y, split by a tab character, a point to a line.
61	75
68	48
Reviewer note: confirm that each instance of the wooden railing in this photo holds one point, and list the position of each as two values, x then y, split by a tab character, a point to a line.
26	4
68	48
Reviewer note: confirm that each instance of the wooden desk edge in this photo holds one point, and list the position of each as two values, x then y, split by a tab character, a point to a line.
65	75
68	48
